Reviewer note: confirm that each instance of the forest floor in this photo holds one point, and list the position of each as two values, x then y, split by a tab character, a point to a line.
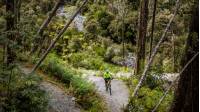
120	92
59	100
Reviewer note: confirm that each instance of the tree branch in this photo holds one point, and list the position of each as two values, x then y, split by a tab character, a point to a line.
58	37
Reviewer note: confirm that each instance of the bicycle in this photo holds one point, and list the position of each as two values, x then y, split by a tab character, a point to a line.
108	86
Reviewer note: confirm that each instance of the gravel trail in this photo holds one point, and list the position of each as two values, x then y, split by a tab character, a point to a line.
120	93
59	101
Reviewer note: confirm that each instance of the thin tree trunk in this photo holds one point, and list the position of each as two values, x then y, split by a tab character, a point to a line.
152	27
43	26
187	93
4	55
42	46
10	21
58	37
142	36
123	40
17	10
19	7
154	52
17	19
173	49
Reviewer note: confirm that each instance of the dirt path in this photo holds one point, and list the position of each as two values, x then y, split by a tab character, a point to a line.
120	93
59	101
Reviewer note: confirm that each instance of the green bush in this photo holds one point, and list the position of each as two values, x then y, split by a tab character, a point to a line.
76	59
100	50
148	98
23	95
87	97
117	59
75	45
115	50
109	54
85	60
153	81
54	67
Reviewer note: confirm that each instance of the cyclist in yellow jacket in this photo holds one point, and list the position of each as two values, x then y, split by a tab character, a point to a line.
107	77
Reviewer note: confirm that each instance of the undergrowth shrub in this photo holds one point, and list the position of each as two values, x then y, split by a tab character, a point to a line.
21	93
100	50
76	59
53	66
86	95
148	97
153	81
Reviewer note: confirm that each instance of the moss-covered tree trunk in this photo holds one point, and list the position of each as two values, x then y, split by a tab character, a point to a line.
142	35
187	92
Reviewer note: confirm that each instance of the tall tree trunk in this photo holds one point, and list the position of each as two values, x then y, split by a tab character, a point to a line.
155	50
17	10
123	29
152	27
58	37
17	19
10	21
142	35
43	26
19	2
187	93
19	7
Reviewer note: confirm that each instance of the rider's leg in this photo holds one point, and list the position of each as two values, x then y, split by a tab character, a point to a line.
106	84
109	83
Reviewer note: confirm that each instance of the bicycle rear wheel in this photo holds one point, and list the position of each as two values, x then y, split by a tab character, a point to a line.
110	89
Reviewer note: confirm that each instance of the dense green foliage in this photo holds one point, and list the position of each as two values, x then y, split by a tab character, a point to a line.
21	93
148	96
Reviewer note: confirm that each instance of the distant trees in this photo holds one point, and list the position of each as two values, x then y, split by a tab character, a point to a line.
187	92
142	35
122	10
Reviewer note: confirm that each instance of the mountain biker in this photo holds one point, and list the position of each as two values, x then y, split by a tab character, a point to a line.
107	77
